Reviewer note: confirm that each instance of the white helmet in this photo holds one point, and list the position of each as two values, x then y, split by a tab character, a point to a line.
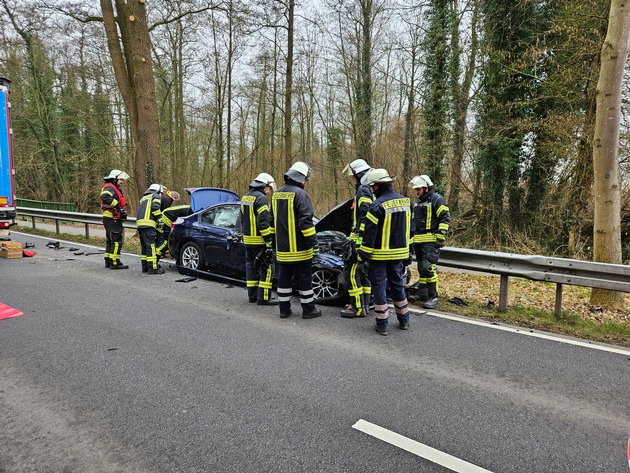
378	176
356	167
153	188
263	180
117	174
427	179
420	181
299	172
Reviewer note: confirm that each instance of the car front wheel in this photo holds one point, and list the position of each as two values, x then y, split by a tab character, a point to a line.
325	284
191	256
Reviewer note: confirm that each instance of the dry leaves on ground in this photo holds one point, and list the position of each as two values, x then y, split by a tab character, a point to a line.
478	290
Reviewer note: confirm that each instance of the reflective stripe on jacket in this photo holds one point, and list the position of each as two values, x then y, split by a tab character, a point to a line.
363	198
256	219
387	228
293	222
431	215
149	212
112	200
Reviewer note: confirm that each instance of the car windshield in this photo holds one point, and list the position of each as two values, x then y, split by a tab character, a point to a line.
222	216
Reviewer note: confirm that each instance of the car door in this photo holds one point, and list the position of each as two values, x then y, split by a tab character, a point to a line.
223	246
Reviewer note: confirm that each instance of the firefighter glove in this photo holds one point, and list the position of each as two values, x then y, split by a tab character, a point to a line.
439	240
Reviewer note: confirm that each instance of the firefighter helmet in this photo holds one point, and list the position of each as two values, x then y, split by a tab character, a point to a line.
378	176
263	180
427	179
299	172
153	188
357	166
419	181
117	174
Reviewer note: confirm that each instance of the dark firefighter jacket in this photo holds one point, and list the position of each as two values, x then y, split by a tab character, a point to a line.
293	222
149	212
363	198
112	201
256	219
430	216
387	228
171	214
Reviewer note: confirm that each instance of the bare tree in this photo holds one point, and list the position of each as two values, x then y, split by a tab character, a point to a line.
129	45
607	190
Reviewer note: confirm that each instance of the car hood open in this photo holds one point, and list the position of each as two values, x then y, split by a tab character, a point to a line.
338	219
204	197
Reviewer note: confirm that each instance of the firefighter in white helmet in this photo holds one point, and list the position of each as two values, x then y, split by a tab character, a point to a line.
114	209
258	234
385	245
147	219
171	211
356	273
296	243
431	220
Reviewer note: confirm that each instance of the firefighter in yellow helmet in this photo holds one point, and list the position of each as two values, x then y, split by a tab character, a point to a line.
258	234
386	245
431	220
296	243
114	209
356	273
149	214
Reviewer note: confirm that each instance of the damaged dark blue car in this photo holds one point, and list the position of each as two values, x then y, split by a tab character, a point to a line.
210	243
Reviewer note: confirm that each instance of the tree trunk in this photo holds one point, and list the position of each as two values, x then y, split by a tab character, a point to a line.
607	190
131	58
288	142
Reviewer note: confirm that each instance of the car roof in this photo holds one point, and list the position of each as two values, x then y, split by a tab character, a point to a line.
204	197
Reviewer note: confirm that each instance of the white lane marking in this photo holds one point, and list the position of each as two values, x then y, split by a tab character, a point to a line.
524	331
417	448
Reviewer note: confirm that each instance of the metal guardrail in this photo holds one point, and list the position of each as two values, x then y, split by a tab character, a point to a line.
65	216
614	277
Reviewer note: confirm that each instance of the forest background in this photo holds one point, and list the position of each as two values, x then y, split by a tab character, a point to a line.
495	100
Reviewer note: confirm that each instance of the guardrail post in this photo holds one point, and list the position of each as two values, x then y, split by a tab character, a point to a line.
57	226
503	293
87	230
33	221
558	306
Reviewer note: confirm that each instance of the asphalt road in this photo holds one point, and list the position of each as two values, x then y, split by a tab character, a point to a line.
116	371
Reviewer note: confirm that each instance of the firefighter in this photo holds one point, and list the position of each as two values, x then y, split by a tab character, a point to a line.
114	214
296	243
258	233
149	214
385	245
431	220
169	215
356	274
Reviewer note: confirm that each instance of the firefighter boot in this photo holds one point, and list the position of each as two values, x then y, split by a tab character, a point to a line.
145	267
155	271
350	312
118	265
424	292
365	301
403	321
381	327
108	262
433	296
